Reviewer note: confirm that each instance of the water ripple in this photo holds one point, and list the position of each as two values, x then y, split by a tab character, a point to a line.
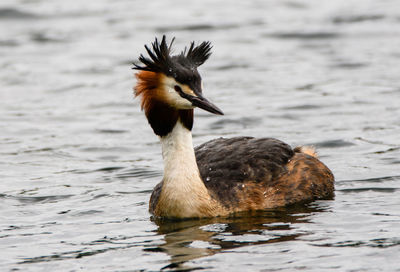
306	35
139	173
377	242
36	199
244	122
343	19
372	189
194	27
333	144
16	14
374	180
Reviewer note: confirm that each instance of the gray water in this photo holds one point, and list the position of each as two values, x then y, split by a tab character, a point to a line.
78	160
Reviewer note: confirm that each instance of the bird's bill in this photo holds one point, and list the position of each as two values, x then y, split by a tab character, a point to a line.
202	103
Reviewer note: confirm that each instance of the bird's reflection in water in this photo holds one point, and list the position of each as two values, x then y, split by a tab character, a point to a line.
191	239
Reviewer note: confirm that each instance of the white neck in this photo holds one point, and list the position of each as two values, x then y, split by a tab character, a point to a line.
183	191
178	154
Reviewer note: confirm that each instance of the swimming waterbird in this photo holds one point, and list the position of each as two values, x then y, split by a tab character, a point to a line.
222	176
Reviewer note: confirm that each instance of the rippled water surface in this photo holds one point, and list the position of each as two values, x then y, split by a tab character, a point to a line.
78	160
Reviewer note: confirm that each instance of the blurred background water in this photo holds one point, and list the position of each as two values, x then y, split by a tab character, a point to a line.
78	160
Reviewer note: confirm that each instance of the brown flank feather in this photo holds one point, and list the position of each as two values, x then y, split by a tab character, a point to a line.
306	179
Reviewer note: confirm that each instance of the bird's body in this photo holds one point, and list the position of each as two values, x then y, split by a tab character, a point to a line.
222	176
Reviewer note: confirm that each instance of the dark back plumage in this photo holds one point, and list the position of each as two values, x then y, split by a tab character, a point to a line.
225	164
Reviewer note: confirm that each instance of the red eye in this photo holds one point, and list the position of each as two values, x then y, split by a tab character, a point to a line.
178	89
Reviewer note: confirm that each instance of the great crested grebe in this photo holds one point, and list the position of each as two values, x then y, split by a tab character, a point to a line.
222	176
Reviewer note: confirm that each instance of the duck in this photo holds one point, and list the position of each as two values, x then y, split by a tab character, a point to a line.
224	176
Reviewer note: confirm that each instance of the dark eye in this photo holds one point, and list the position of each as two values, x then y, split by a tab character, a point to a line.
178	89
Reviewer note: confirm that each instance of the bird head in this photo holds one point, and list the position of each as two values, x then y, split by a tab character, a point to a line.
172	80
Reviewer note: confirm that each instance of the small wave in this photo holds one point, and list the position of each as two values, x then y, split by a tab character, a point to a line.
88	212
387	150
111	131
134	192
103	169
349	65
286	116
139	173
111	105
231	66
105	149
306	87
333	144
11	13
373	189
109	169
302	107
244	122
306	35
379	242
9	43
357	18
194	27
373	180
43	37
39	199
67	88
76	254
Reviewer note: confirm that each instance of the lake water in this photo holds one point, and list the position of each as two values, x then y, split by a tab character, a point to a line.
78	160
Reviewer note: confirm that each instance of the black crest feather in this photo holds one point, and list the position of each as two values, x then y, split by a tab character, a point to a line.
199	54
160	59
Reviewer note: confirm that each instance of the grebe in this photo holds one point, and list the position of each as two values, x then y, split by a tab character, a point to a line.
222	176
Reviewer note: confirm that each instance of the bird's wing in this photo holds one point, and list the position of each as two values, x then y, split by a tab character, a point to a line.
226	164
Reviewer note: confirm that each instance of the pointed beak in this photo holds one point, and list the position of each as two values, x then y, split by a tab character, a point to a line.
202	103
